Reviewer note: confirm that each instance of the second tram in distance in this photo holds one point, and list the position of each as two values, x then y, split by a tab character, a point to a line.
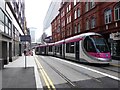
87	47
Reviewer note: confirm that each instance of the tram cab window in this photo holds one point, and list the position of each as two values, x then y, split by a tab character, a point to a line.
88	45
95	43
100	43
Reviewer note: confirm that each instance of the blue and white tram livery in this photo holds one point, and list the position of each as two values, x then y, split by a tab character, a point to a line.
87	47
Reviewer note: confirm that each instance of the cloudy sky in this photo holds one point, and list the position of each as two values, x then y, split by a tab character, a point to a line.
35	11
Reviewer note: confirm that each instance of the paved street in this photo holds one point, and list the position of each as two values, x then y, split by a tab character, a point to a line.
65	74
45	72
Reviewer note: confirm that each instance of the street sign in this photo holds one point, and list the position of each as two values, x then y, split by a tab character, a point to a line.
25	38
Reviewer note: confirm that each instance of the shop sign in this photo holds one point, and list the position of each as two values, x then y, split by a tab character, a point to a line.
115	36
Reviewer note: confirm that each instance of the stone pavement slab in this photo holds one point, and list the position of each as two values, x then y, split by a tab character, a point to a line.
18	78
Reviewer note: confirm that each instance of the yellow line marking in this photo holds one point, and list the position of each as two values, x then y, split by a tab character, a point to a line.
40	71
47	80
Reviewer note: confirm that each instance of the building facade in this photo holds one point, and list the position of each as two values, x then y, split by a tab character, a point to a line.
82	17
11	27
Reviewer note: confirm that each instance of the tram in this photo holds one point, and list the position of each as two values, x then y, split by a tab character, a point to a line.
87	47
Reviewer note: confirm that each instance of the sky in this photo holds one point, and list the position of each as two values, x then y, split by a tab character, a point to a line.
35	12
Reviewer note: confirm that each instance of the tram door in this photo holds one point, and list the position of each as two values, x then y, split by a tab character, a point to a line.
77	50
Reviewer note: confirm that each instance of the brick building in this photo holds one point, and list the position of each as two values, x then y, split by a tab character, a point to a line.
79	17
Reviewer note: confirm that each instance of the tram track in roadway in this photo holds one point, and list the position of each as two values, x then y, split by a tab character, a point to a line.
107	68
82	72
90	67
69	82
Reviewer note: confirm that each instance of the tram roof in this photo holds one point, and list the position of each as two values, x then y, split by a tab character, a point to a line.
79	37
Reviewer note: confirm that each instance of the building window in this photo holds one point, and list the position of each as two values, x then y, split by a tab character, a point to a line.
87	24
1	16
1	20
67	20
117	12
6	25
92	4
10	27
63	23
70	18
108	16
86	6
75	14
92	22
75	29
70	31
62	13
78	12
59	21
69	7
75	2
78	27
67	32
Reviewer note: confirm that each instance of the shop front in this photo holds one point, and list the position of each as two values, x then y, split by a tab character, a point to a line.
114	41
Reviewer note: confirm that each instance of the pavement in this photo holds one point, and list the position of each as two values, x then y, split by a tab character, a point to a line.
115	62
15	76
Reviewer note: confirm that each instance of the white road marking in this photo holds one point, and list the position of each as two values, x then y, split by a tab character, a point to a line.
93	70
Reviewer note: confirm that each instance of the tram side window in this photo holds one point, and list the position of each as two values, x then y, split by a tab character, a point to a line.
70	47
50	48
88	45
36	49
67	48
57	49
